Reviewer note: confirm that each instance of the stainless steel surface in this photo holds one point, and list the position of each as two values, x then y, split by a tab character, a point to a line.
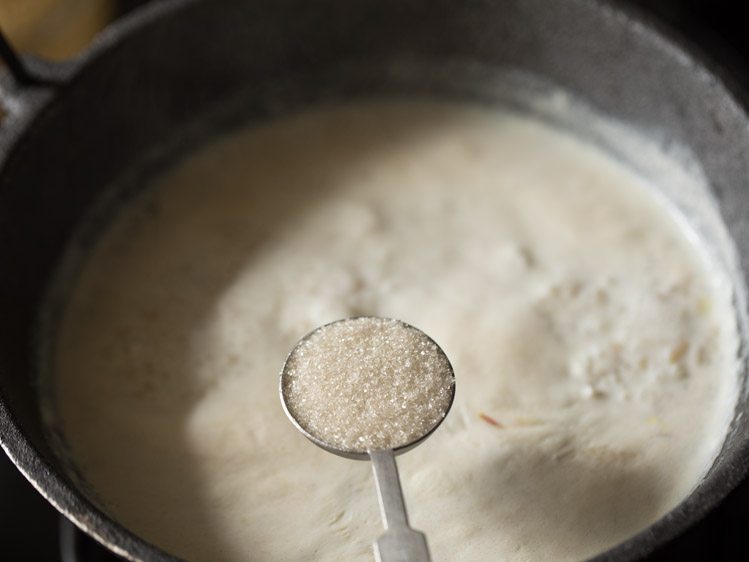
399	543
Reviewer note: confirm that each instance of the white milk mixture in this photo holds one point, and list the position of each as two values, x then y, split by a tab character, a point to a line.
594	353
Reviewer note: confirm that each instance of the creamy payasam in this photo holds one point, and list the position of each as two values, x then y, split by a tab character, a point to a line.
595	350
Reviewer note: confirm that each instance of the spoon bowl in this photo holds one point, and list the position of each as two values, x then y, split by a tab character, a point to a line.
348	453
399	543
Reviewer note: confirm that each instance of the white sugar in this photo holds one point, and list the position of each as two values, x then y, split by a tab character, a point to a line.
368	383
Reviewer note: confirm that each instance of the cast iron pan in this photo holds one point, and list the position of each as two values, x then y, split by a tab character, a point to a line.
73	129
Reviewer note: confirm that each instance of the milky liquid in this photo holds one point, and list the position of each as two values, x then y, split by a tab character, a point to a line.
595	352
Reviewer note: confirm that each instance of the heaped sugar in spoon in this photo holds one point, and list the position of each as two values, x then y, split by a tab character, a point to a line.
371	388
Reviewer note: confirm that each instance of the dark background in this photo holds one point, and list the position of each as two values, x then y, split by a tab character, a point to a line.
29	526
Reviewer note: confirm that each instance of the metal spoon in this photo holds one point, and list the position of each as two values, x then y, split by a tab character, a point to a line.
399	543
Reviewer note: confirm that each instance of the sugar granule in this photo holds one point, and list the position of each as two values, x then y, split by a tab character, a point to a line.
368	383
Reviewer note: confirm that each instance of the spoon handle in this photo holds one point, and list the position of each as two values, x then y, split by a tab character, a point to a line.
399	543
